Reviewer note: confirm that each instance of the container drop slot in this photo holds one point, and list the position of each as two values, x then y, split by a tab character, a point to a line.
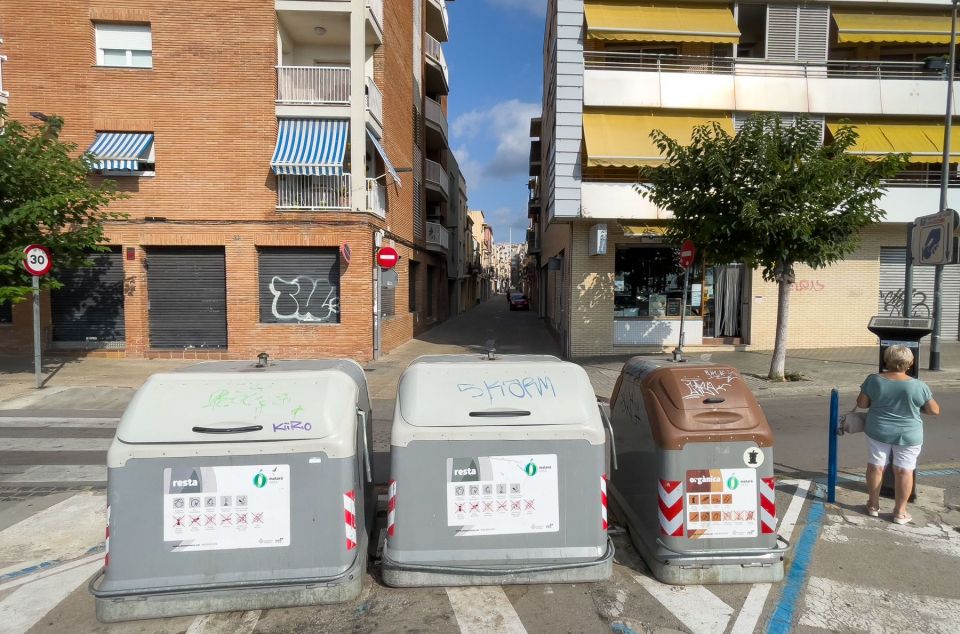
246	429
500	414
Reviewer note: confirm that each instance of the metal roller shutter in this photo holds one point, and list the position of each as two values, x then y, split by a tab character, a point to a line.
188	297
892	262
6	313
299	286
88	310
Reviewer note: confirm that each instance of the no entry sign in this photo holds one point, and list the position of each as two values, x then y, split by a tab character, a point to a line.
687	253
37	260
387	257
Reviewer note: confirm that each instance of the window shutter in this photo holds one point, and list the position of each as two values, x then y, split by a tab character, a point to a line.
782	32
797	32
814	21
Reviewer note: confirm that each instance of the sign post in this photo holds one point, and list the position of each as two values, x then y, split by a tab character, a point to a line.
687	253
387	258
934	245
37	261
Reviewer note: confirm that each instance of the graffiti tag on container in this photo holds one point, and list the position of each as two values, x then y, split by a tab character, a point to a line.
293	425
519	388
711	383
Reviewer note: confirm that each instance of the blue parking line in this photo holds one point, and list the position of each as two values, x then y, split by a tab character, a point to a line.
782	620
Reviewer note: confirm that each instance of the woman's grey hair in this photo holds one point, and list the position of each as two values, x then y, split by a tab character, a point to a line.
898	358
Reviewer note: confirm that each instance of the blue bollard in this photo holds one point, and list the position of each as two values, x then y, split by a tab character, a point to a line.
832	457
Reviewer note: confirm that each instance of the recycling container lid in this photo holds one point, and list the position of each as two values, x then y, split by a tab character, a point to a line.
230	406
516	391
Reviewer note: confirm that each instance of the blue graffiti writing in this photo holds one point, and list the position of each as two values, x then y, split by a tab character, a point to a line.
293	425
519	388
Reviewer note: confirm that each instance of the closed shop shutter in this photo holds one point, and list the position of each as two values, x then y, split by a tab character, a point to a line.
299	286
892	262
88	310
6	313
187	288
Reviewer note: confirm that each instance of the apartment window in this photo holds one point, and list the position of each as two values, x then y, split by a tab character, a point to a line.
648	283
124	45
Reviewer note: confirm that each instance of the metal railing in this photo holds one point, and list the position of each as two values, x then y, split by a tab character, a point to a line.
376	8
435	51
922	178
852	69
436	174
313	85
374	101
437	234
434	112
376	197
313	192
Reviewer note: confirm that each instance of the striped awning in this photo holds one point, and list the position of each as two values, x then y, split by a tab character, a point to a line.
383	154
311	147
121	151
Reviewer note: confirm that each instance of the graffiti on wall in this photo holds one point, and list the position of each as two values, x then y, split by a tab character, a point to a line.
297	300
892	303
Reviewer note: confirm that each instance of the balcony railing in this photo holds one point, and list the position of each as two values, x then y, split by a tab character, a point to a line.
435	51
313	85
376	197
376	8
747	66
922	178
313	192
436	174
374	101
434	112
438	235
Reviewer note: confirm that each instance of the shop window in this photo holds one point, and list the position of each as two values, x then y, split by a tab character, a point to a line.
648	282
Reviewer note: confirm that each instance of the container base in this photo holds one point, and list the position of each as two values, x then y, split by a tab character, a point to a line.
194	602
399	575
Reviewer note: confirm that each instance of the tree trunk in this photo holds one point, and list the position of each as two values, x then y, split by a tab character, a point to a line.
777	363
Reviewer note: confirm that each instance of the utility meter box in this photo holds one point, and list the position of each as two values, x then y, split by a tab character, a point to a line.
237	487
497	474
695	473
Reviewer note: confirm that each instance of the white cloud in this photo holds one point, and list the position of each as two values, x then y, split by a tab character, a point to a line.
503	219
507	124
535	7
469	167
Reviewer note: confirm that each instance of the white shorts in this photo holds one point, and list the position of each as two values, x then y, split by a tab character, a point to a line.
904	457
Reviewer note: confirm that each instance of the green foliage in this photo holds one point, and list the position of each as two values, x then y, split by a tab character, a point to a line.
772	196
46	197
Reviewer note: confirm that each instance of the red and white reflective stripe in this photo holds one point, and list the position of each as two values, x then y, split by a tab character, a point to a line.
768	506
350	518
106	541
603	501
671	508
391	508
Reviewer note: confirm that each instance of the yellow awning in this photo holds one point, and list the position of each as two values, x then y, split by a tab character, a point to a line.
892	26
640	231
923	140
663	22
622	138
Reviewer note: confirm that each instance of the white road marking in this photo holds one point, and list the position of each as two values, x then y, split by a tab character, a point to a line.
834	605
66	530
26	605
697	608
72	473
55	444
484	610
225	623
47	572
937	538
752	607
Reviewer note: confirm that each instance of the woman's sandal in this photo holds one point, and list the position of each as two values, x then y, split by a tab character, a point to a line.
902	519
873	511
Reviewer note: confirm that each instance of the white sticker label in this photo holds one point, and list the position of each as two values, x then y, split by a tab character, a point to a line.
721	503
503	495
220	508
753	457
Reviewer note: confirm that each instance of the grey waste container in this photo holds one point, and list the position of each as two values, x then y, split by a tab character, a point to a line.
232	487
497	474
695	473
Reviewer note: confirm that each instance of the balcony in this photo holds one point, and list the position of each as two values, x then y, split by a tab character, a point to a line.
314	193
437	179
438	22
438	77
375	11
336	11
438	238
436	120
376	197
635	80
313	85
4	95
375	102
533	241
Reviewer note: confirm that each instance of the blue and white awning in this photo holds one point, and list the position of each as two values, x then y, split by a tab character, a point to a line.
121	151
383	154
311	147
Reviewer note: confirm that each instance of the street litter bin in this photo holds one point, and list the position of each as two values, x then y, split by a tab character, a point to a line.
497	474
694	481
233	486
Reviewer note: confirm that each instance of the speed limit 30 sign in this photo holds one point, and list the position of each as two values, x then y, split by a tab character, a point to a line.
37	260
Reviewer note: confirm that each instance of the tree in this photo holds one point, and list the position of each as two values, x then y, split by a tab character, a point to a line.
772	196
46	197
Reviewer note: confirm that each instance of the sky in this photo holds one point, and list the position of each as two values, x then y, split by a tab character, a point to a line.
495	57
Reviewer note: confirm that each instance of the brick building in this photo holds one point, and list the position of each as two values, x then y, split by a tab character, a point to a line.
267	149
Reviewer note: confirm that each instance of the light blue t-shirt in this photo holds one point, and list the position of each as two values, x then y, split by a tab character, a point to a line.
894	416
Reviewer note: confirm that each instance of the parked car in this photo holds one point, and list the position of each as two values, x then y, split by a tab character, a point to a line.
518	301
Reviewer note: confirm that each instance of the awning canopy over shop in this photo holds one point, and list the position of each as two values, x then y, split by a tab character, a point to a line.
904	27
121	151
663	22
924	141
622	139
311	147
383	154
643	231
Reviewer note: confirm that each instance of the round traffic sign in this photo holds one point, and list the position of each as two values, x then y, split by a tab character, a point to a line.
37	260
387	257
687	253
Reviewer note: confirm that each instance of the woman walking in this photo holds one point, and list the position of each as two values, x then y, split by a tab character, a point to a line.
894	425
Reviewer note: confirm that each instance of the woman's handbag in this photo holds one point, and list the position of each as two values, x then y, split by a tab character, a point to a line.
853	422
